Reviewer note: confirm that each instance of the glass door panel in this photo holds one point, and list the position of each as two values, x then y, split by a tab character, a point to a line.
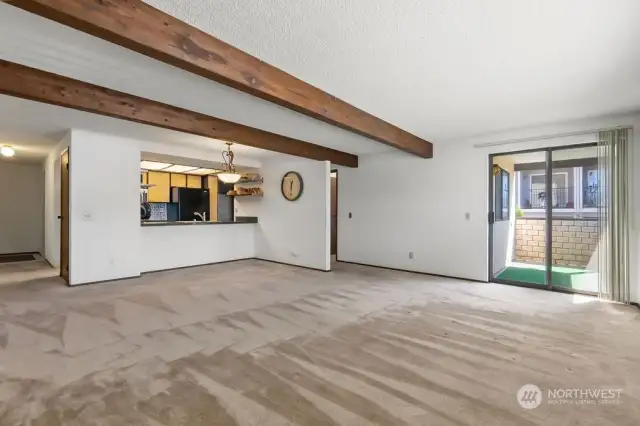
518	230
574	223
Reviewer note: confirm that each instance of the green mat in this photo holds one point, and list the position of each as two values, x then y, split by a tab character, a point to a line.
561	276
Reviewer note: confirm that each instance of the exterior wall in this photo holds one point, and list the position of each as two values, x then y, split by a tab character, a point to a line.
574	241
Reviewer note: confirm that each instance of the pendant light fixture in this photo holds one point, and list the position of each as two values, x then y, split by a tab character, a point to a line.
229	174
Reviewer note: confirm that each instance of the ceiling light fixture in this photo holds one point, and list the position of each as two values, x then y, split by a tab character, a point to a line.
153	165
203	171
7	151
176	168
229	174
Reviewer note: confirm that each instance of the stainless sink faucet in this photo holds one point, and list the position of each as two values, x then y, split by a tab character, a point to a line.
202	216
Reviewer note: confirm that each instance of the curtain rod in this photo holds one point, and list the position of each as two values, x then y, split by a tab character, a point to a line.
543	137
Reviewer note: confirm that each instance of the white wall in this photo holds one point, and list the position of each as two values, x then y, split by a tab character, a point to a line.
168	247
105	205
298	232
52	202
421	206
22	207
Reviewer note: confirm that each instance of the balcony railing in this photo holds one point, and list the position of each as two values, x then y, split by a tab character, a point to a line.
590	196
561	198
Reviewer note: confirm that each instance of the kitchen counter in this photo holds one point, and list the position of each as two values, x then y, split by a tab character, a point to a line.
168	245
239	220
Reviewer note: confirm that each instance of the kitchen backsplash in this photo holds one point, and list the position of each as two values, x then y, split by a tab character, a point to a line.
159	211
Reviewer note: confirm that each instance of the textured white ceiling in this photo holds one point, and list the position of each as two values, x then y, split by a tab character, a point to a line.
37	42
443	69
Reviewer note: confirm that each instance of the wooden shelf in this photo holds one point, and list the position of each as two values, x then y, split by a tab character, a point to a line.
247	195
261	180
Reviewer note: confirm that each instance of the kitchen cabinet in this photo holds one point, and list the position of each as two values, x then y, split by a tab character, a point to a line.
194	181
212	185
178	180
160	192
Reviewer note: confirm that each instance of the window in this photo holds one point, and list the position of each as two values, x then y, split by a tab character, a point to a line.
590	188
562	196
501	195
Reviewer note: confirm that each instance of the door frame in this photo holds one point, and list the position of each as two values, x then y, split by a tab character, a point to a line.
337	172
548	220
65	207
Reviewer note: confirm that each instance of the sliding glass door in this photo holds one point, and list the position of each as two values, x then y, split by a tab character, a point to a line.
517	232
544	227
575	230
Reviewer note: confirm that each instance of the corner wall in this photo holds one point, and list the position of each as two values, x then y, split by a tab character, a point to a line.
104	210
52	202
293	232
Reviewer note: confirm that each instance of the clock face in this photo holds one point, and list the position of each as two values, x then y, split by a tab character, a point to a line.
292	186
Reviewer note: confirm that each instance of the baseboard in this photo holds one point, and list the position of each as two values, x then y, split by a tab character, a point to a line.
20	253
290	264
103	281
414	272
196	266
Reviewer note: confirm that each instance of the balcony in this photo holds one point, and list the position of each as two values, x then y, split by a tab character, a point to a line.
561	198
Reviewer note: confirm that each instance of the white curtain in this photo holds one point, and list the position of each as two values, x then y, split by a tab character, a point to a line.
613	213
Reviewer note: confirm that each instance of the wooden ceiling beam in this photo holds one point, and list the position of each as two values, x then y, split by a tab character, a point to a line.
36	85
135	25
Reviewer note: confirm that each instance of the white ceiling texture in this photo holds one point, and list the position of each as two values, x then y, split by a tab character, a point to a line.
440	69
444	69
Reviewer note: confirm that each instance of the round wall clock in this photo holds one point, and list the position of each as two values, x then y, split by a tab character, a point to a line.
292	186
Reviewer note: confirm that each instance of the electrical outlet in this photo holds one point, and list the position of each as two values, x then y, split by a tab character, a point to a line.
350	216
410	255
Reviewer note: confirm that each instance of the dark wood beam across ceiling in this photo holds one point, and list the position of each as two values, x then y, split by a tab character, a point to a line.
41	86
135	25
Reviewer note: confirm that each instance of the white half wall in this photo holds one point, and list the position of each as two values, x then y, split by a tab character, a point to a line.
421	205
169	247
52	204
22	207
105	206
293	232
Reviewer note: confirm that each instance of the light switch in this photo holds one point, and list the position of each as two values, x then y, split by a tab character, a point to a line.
467	216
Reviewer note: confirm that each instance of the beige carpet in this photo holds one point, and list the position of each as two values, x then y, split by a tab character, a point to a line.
255	343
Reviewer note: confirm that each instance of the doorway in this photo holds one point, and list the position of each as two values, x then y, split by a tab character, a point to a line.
64	215
334	215
544	218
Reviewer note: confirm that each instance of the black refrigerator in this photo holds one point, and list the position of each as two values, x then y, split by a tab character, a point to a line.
191	201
